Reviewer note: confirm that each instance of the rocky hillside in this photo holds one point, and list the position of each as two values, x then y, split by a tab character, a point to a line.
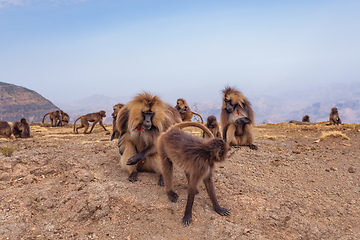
18	102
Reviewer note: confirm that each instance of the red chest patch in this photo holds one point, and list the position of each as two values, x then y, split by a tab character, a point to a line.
238	113
139	128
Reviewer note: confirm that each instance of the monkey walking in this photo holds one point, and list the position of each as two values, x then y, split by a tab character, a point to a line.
186	114
140	123
197	157
90	117
236	119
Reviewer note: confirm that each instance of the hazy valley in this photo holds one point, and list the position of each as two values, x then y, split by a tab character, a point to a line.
282	107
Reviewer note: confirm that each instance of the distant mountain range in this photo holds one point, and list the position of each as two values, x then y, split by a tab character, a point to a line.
315	102
291	105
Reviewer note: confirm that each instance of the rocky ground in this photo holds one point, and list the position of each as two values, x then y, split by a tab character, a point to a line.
300	184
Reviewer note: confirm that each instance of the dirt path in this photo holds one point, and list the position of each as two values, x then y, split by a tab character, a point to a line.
60	185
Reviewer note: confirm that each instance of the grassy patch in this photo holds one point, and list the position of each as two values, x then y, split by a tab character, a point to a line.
7	151
269	137
336	134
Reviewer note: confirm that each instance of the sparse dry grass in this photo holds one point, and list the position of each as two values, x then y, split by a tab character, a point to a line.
268	137
336	134
38	129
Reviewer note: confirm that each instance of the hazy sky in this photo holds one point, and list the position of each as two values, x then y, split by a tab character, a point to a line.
72	49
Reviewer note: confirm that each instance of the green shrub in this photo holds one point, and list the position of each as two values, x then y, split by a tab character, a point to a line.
8	150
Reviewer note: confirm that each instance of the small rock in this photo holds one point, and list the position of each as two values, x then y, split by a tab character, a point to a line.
351	170
246	231
275	162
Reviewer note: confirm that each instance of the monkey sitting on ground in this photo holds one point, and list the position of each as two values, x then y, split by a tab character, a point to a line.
54	117
185	112
213	126
306	118
90	117
237	132
21	129
140	123
334	118
197	157
116	108
5	129
305	121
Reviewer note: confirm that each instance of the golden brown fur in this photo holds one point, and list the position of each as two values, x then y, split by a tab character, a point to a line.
140	123
5	129
21	129
54	117
197	157
116	109
90	117
213	126
334	118
236	119
186	114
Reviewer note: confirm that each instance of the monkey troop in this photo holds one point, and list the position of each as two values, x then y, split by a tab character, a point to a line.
236	119
140	123
19	129
197	157
186	114
57	118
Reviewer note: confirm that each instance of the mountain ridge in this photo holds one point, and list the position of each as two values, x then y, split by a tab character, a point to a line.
20	102
282	107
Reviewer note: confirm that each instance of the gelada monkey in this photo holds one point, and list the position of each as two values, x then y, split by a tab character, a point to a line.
116	109
236	119
21	129
5	129
213	126
90	117
140	123
54	117
334	118
197	156
186	114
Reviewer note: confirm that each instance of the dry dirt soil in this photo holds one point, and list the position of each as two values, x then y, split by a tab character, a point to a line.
60	185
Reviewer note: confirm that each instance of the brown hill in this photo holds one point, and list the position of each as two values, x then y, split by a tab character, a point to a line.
18	102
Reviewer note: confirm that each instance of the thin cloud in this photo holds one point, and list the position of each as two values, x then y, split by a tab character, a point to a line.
5	3
8	3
